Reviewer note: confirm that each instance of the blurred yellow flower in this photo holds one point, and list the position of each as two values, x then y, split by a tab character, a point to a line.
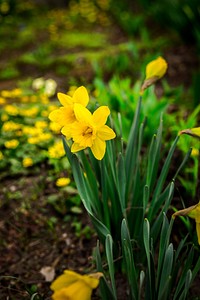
16	92
10	126
74	286
2	100
11	110
55	127
57	150
154	71
90	130
6	93
1	155
194	213
195	152
41	124
27	162
11	144
63	181
4	117
29	112
65	115
33	140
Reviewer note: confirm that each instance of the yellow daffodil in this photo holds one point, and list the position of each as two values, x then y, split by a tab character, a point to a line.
73	286
154	71
194	213
90	130
65	115
195	132
62	181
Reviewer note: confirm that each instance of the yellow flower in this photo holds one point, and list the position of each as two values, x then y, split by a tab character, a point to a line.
73	286
195	152
11	144
55	127
90	130
27	162
194	213
11	126
154	71
41	124
60	182
1	155
57	150
11	110
2	100
65	115
195	132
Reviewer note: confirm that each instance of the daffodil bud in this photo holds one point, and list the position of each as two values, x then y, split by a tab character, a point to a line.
154	71
195	132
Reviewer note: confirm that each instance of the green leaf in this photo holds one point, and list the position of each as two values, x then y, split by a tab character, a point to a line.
128	258
165	275
109	256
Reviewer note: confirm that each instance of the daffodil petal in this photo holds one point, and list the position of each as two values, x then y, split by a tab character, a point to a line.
66	131
81	96
76	147
198	231
106	133
64	280
64	99
63	115
77	291
100	115
82	114
156	68
98	148
91	280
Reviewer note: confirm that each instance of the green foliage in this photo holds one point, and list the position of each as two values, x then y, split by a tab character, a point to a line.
120	192
122	97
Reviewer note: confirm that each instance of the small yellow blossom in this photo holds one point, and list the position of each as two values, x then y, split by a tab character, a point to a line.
154	71
90	130
2	100
63	181
194	213
57	150
10	126
74	286
55	127
195	152
1	155
4	117
29	112
6	93
65	115
11	110
27	162
11	144
41	124
33	140
16	93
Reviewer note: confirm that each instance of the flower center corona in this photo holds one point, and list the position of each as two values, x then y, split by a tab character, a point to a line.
88	131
